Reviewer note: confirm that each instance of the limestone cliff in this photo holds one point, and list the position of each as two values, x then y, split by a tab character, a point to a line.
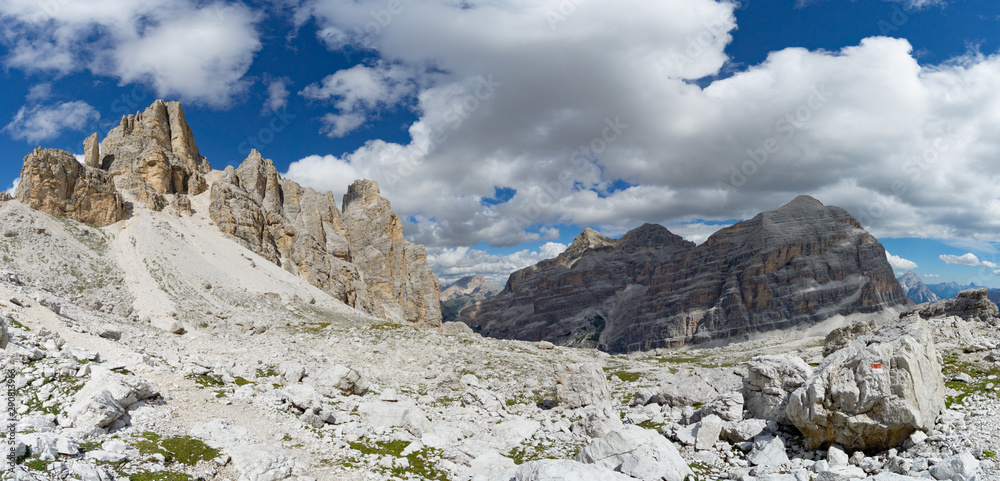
53	182
796	265
151	160
358	256
153	153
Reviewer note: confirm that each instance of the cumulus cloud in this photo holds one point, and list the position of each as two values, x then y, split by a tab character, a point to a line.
43	122
451	264
13	187
358	92
968	259
899	263
193	50
277	94
505	99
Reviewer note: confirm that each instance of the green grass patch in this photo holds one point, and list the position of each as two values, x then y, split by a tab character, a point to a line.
626	376
269	370
421	462
180	449
206	380
159	476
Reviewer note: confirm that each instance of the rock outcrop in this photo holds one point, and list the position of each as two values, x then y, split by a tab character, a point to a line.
873	393
53	182
153	153
770	381
359	256
793	266
968	304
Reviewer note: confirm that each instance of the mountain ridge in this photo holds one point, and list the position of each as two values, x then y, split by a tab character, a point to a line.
795	265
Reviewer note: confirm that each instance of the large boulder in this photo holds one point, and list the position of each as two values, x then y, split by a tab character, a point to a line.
559	470
769	381
581	385
53	182
637	452
873	393
968	304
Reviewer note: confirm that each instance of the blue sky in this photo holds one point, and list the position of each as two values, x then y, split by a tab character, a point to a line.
500	129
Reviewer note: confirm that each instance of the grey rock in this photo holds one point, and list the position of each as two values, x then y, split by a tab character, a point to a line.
456	329
894	380
636	452
562	470
339	380
769	272
98	410
728	407
768	452
745	430
837	457
960	467
707	432
770	380
581	385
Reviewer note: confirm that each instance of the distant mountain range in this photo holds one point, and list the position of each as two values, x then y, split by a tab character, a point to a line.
917	291
794	266
454	297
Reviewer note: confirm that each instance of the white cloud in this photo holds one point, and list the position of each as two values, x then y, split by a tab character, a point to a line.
44	122
13	187
193	50
277	94
866	128
968	259
359	91
451	264
930	275
40	92
899	263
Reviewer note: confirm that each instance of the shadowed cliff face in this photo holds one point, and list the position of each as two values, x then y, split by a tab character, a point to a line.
796	265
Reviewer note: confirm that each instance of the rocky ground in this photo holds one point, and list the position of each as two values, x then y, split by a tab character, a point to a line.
154	349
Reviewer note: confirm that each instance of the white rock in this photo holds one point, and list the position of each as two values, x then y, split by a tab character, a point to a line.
302	396
768	452
857	399
707	432
88	472
769	381
340	380
960	467
260	463
52	444
482	398
744	430
125	389
562	470
292	372
95	411
837	457
640	453
581	385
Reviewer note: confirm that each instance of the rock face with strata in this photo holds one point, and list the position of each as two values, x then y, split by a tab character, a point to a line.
873	393
358	256
797	265
53	182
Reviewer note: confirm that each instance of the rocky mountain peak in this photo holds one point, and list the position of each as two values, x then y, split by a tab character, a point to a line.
361	191
796	265
589	239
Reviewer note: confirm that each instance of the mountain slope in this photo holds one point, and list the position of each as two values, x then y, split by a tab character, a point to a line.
915	289
793	266
150	164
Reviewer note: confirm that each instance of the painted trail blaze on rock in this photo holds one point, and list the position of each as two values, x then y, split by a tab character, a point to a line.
873	393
